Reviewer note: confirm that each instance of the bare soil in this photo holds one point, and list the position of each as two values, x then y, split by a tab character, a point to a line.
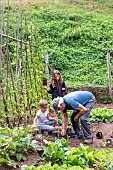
108	106
105	128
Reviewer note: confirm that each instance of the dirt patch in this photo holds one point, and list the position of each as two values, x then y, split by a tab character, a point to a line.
105	128
108	106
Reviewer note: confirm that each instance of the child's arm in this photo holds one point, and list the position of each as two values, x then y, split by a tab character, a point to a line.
50	90
45	87
50	118
56	116
35	120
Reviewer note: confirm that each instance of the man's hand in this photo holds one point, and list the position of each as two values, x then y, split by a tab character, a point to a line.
82	110
63	132
76	117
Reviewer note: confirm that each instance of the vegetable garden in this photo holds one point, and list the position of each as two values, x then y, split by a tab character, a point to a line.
80	40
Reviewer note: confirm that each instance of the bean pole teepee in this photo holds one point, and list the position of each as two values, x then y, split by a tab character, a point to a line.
22	65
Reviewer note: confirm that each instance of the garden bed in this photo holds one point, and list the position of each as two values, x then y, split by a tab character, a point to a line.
105	128
33	156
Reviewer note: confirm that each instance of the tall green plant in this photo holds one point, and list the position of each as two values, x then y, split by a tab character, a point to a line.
23	68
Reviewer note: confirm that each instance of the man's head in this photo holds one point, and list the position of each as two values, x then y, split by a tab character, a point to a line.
58	104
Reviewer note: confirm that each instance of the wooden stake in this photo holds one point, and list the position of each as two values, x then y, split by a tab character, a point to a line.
46	68
109	74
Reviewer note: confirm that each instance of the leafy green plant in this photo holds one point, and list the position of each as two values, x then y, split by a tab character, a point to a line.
105	143
55	152
81	156
16	143
101	115
54	167
103	158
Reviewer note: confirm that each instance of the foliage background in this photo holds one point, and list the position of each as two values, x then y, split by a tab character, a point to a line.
77	36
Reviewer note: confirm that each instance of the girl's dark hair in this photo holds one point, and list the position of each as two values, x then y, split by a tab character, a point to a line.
53	81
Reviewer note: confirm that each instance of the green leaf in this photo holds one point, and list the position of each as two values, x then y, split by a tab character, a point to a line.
2	160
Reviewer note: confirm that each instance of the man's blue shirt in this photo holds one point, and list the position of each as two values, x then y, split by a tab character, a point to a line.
73	99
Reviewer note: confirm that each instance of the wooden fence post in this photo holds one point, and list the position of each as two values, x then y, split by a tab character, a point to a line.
0	63
47	68
109	74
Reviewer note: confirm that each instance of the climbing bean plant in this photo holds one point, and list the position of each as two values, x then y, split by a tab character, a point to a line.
22	67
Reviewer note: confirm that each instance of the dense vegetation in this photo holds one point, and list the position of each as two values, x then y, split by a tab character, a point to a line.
76	35
77	42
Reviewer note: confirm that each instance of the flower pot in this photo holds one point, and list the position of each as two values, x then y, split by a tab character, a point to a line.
109	141
68	131
55	134
99	135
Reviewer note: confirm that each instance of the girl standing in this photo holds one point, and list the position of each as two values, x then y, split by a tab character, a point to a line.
57	86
